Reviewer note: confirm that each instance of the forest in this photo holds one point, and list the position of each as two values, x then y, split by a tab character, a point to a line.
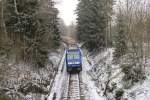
32	38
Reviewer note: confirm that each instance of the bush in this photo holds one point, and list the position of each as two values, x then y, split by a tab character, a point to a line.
3	97
132	74
119	94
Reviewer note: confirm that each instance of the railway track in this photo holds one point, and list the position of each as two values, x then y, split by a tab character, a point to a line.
66	86
74	88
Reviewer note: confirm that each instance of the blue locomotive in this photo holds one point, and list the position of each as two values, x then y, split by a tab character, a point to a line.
74	60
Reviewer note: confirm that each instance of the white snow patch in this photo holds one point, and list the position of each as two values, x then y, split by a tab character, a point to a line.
104	55
141	90
57	86
92	89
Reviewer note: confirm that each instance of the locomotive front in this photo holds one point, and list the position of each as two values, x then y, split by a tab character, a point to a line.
73	60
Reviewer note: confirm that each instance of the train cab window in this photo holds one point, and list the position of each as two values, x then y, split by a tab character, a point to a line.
70	56
76	56
73	55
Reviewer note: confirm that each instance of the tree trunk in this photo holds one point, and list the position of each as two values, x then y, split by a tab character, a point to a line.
15	4
2	21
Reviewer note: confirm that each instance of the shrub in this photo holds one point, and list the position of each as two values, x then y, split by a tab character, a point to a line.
119	94
132	74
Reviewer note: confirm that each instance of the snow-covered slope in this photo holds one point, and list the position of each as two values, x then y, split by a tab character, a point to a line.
108	77
59	80
91	90
24	82
141	90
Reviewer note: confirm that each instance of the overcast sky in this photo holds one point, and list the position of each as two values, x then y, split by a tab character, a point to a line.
67	10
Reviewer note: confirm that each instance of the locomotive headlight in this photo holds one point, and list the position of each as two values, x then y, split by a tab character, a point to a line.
70	63
77	63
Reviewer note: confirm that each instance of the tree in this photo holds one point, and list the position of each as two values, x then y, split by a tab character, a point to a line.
62	27
71	31
120	38
92	22
131	38
32	29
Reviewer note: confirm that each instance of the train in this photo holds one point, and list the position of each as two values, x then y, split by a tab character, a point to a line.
74	60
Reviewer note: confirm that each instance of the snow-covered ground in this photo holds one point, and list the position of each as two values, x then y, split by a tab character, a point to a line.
61	76
141	90
91	90
25	82
103	66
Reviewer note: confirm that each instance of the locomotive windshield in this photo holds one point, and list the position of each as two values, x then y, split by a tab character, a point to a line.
73	55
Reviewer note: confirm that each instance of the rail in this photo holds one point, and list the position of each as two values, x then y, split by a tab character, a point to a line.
74	88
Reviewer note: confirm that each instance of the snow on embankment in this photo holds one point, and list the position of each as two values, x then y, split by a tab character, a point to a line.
104	73
91	92
24	82
57	87
141	90
108	78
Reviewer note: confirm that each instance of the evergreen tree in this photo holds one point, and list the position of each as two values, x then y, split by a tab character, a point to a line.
92	22
120	38
32	28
